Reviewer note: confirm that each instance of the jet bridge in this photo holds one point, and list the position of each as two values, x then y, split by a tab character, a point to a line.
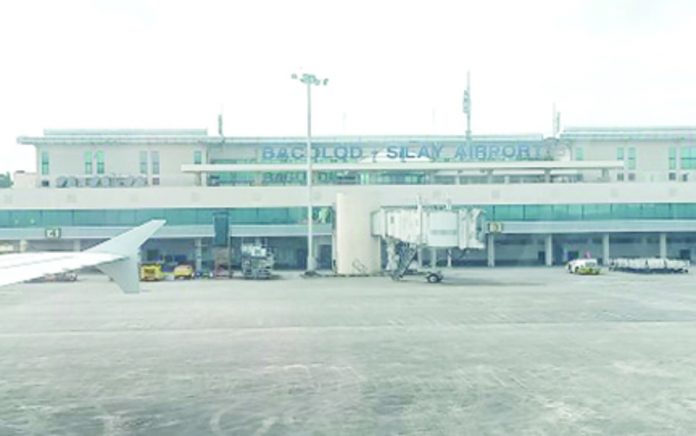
406	230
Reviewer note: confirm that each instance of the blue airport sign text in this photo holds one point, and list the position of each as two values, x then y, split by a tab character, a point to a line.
434	152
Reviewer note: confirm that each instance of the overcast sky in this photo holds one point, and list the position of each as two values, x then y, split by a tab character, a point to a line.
394	67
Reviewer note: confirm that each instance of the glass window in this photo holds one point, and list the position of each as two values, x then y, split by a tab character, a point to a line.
99	157
596	211
575	211
89	217
44	163
672	158
5	218
197	157
625	211
579	153
559	212
88	162
143	162
57	218
685	158
26	218
620	153
684	210
124	217
181	216
508	212
144	215
155	157
631	158
204	216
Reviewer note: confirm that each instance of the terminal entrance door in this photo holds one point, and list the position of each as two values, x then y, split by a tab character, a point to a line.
301	258
324	258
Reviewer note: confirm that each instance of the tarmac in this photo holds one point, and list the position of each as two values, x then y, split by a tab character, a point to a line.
524	351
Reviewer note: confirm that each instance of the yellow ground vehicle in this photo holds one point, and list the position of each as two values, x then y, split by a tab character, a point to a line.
183	272
585	267
151	272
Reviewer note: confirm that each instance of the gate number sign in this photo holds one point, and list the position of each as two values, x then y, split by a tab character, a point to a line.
52	233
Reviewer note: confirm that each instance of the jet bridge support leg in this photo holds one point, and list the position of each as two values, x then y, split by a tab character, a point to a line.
490	248
392	259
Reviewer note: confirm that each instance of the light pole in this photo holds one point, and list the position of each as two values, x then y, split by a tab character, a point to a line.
309	80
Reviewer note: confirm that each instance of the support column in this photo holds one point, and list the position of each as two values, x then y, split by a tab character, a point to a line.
490	248
606	255
547	176
663	245
433	258
391	255
489	176
198	254
449	258
420	258
548	252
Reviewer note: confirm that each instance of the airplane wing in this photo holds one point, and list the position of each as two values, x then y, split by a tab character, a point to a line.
117	257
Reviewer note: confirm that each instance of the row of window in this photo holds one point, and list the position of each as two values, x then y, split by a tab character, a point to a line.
133	217
581	212
687	157
90	158
296	215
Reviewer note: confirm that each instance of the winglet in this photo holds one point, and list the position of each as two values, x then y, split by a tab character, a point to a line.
124	271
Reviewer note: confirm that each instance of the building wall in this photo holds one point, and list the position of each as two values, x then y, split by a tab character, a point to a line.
120	160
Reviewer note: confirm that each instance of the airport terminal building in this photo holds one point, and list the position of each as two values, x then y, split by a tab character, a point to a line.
612	192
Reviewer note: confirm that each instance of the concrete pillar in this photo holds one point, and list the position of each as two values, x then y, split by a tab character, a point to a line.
420	258
391	255
198	254
565	254
489	176
357	251
663	245
433	258
458	178
606	255
77	245
449	258
547	176
548	252
490	248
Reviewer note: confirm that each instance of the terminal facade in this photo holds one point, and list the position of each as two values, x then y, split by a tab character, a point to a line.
606	192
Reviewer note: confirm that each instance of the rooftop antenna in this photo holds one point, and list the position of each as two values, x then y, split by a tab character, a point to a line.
466	107
555	122
220	126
